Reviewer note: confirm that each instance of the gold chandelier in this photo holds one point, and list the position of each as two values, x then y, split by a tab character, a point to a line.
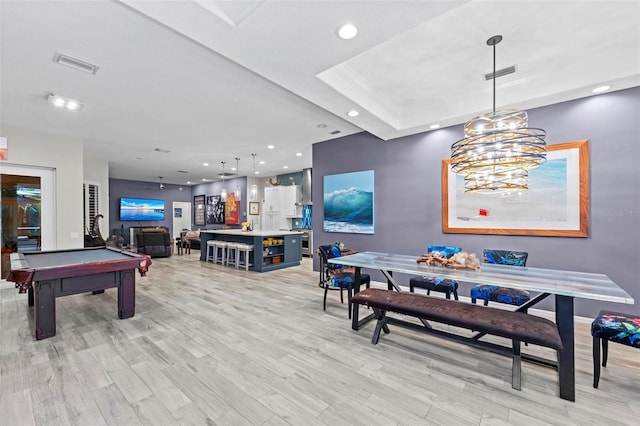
498	148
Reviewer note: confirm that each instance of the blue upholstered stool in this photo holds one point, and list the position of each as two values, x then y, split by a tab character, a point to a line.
615	327
494	293
442	285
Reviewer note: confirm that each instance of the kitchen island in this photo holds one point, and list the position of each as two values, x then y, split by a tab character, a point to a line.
271	249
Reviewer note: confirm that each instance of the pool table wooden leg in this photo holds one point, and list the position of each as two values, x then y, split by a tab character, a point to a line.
45	309
127	294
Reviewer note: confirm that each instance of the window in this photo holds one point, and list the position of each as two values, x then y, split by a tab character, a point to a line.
91	205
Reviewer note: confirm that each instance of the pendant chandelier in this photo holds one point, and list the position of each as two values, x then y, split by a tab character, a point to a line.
498	148
254	187
223	191
238	192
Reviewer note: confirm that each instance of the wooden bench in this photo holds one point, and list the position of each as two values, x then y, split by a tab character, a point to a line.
517	326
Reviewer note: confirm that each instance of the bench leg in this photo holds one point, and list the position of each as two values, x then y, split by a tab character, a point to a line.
596	361
381	325
517	366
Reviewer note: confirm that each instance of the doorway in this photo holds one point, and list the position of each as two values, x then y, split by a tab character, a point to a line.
181	217
27	200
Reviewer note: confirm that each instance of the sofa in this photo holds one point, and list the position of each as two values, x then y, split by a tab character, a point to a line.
154	242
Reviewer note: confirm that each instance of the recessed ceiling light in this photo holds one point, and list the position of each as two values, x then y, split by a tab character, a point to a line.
347	31
270	146
205	164
285	167
321	125
601	89
257	172
204	179
262	162
353	113
233	168
434	126
188	182
298	154
64	102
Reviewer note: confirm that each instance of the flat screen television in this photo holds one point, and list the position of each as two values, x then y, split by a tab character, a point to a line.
141	209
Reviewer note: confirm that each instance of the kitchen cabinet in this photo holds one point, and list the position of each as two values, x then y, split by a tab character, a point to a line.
281	203
291	196
271	200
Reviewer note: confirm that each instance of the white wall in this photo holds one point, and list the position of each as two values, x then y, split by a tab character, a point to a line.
28	148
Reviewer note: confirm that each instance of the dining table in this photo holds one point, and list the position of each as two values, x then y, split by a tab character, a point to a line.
564	286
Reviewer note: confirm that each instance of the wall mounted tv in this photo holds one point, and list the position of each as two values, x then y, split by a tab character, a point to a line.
141	209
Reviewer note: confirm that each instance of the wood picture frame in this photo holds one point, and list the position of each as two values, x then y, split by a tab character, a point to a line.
254	207
556	204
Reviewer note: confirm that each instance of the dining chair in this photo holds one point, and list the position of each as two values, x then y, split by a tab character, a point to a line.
614	327
336	277
502	294
438	284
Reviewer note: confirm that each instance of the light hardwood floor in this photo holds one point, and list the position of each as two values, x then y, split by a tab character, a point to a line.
213	345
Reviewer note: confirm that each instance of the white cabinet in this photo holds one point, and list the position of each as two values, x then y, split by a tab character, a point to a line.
291	196
271	199
280	204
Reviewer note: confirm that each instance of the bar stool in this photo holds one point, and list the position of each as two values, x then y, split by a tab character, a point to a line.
232	250
220	252
211	251
243	249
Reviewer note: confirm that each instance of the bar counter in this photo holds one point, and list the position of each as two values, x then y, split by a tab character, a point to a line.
271	249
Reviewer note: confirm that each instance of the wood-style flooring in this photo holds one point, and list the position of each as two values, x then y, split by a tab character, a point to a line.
212	345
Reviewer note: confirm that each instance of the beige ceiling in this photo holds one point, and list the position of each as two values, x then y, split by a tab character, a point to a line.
213	80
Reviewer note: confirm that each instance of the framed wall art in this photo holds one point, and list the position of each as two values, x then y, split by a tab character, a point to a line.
348	203
254	207
556	203
198	210
215	210
231	210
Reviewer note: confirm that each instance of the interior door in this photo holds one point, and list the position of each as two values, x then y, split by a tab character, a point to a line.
181	217
27	199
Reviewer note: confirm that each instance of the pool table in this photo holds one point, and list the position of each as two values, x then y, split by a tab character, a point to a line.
46	275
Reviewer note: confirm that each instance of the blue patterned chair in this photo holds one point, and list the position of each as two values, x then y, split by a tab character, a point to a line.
500	294
442	285
336	277
612	327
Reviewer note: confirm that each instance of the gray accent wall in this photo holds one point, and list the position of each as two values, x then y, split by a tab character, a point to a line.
119	188
408	204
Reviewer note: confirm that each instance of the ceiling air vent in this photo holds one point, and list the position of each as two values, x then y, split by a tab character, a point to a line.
335	132
181	171
501	73
75	63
